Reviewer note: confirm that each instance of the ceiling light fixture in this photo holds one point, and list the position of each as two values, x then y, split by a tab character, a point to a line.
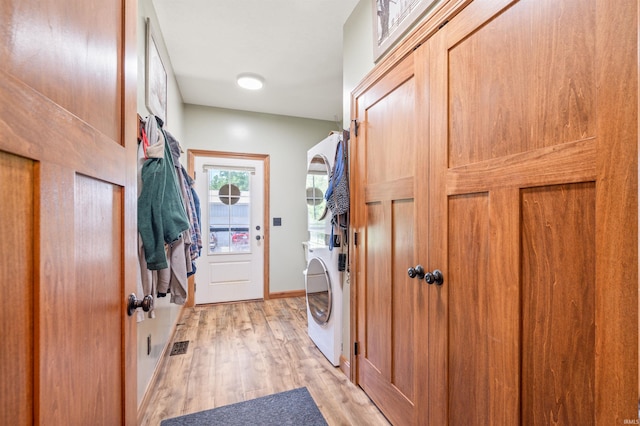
250	81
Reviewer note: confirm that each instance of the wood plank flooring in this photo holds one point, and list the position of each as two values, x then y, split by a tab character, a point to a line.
247	350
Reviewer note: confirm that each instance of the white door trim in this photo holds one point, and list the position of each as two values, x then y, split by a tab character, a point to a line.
191	156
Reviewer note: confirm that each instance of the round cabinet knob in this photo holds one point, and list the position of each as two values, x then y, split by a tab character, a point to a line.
434	277
418	271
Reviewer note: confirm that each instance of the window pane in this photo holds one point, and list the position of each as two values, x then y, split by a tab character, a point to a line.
229	211
317	185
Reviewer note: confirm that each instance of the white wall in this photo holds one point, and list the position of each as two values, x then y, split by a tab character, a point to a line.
357	53
286	141
160	327
174	118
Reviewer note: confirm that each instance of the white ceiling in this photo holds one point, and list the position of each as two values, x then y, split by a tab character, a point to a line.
296	45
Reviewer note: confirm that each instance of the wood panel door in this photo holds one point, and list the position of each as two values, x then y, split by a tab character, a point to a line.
67	211
524	125
390	218
534	214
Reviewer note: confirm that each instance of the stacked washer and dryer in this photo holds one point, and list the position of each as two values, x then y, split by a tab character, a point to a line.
323	279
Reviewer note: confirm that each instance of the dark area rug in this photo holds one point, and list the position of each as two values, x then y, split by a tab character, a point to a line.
294	407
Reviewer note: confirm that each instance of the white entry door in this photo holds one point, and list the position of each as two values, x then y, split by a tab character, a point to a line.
231	265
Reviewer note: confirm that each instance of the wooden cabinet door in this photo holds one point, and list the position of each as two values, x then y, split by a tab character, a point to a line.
534	214
390	214
67	211
517	122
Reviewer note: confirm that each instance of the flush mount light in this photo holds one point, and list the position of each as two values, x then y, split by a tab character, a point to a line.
250	81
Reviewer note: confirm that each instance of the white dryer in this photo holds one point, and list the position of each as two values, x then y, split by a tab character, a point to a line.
323	280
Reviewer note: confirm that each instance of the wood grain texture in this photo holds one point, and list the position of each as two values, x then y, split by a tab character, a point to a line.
558	304
616	57
56	270
97	321
504	319
378	294
390	136
403	300
514	102
436	360
388	300
17	286
78	145
395	406
424	208
470	306
577	130
523	96
247	350
402	72
80	319
358	275
568	162
399	189
67	102
84	78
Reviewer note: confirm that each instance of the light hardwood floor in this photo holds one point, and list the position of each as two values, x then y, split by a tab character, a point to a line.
247	350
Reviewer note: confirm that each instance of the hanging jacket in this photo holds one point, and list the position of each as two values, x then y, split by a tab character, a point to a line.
337	194
185	182
161	213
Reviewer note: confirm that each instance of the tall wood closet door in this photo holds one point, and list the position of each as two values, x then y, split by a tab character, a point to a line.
390	217
67	211
533	218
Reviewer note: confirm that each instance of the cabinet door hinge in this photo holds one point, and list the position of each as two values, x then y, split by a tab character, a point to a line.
355	238
355	127
355	348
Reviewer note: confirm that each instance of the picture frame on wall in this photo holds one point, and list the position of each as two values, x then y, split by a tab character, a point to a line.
155	77
392	19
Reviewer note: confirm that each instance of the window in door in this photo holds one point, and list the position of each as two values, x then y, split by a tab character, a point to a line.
317	185
229	210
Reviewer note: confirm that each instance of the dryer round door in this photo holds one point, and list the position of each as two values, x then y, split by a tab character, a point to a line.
318	291
318	174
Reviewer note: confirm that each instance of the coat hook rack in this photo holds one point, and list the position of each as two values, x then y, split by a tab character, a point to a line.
140	126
